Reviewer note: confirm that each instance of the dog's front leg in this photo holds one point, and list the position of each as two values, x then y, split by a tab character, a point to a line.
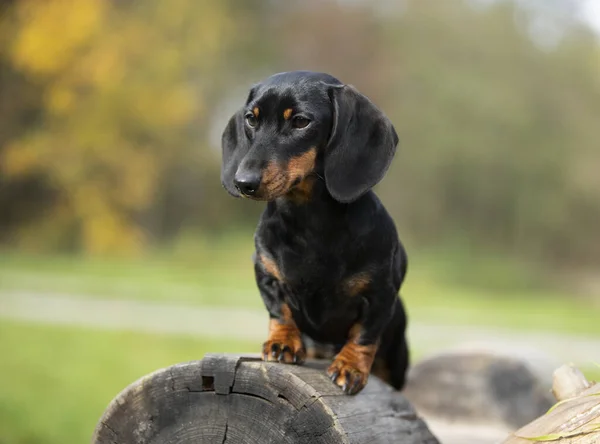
351	366
284	342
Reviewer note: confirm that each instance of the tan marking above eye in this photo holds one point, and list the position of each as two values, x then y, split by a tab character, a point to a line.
288	113
255	111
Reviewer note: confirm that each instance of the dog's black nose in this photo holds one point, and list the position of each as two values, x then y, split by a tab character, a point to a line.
247	183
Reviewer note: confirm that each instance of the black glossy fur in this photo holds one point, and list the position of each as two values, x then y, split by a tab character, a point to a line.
327	251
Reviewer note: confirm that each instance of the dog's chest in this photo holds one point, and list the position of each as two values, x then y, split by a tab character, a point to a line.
311	275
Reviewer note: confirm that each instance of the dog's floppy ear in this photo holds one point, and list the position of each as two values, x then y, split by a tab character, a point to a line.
234	145
361	146
234	148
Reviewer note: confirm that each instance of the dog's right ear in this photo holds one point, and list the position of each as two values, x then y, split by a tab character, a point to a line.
234	146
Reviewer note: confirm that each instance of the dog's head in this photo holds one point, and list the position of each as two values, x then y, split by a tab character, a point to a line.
298	123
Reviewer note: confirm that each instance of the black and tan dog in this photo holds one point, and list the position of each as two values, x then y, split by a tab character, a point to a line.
328	262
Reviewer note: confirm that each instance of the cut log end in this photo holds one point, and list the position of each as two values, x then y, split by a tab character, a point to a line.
237	399
568	382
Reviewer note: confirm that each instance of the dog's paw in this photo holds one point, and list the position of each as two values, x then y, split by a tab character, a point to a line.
348	376
287	350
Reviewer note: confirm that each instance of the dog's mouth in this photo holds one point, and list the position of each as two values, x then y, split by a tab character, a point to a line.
281	186
271	189
279	179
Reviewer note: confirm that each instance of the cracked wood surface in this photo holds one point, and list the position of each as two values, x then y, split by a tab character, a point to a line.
575	419
240	399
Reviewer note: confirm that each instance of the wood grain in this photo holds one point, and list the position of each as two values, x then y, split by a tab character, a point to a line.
241	399
574	420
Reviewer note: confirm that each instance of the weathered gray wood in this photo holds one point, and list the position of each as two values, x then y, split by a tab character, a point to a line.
240	399
477	387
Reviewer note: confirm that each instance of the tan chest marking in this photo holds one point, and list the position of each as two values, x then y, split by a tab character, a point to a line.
356	284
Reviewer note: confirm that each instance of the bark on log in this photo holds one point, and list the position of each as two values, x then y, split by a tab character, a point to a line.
574	420
238	399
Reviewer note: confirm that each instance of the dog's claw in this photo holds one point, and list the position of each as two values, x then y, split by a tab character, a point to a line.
346	376
285	349
354	387
334	375
282	352
274	350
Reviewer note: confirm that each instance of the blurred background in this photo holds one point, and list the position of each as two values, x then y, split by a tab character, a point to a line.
121	253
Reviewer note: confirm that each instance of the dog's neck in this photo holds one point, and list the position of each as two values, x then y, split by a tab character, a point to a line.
310	206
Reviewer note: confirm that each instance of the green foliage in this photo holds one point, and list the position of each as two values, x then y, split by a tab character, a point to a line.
497	134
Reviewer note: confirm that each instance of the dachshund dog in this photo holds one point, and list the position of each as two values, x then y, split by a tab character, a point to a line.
328	262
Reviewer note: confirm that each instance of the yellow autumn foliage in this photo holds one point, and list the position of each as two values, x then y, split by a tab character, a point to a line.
52	32
117	99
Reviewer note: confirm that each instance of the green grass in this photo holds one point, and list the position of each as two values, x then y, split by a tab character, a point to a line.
452	286
56	382
591	372
515	310
212	272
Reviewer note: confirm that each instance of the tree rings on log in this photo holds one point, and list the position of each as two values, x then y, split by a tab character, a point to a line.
235	399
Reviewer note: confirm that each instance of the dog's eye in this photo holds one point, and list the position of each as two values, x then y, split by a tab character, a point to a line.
300	122
251	120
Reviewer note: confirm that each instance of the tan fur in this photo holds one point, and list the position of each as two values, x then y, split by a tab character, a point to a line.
354	359
300	166
270	267
287	114
302	192
277	181
356	283
274	181
284	333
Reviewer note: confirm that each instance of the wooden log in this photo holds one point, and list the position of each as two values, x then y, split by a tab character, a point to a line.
478	387
574	420
240	399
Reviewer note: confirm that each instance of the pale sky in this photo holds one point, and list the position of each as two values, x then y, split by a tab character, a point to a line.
591	14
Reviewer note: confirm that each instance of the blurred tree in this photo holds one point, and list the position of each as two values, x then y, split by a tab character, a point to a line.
492	128
110	114
122	84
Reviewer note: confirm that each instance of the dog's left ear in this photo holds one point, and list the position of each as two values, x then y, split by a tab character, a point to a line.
361	146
